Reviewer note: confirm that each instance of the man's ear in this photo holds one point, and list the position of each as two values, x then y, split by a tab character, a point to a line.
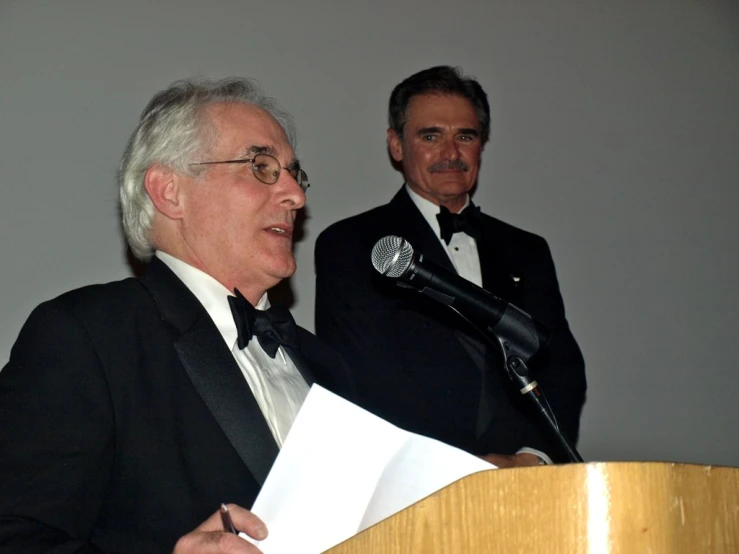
395	145
163	186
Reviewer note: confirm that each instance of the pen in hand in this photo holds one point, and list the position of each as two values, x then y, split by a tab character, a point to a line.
228	525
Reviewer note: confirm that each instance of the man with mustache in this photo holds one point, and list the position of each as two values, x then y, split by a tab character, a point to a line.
415	362
130	411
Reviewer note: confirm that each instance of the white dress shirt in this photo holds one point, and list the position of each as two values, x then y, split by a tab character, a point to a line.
277	385
462	251
462	248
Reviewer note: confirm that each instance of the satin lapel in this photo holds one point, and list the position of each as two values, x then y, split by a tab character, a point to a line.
498	275
407	222
220	383
498	278
213	371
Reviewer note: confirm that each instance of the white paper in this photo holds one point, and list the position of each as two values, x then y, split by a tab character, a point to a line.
343	469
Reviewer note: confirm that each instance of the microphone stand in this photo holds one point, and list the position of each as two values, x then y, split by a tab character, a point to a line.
519	340
518	372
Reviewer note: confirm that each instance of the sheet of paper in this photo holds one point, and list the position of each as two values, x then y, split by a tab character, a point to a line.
343	469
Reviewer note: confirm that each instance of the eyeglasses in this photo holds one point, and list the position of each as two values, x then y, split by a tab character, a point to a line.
267	169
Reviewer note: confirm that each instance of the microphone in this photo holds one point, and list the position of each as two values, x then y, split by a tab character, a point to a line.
517	331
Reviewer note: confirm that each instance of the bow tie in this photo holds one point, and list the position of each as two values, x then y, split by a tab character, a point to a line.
466	222
272	327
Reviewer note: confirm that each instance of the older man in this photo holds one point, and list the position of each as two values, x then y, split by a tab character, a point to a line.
415	362
129	411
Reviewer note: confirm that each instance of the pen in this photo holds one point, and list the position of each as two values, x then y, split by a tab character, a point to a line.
228	525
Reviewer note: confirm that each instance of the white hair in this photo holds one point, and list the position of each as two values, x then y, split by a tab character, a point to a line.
172	129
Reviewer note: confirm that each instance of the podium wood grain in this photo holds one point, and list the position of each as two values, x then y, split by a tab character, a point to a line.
594	508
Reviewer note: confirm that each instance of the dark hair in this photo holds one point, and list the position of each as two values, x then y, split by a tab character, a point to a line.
444	80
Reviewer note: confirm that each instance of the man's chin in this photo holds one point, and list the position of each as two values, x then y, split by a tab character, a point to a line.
452	183
284	269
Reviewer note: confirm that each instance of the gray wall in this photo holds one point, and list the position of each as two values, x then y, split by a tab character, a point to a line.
616	136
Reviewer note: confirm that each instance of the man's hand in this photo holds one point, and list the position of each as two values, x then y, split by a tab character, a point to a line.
524	459
210	537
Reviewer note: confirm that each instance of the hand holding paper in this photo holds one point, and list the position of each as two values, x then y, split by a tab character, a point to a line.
343	469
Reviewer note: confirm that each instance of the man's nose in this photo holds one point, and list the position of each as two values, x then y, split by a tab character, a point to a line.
451	149
292	190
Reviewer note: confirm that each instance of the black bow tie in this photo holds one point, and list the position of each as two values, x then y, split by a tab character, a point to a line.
466	222
272	327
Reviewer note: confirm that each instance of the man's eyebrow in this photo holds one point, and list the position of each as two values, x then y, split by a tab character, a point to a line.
462	131
255	149
468	131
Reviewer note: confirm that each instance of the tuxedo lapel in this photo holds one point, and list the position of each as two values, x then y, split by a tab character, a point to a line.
408	222
213	371
499	276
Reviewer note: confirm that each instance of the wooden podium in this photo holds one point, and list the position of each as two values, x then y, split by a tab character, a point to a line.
593	508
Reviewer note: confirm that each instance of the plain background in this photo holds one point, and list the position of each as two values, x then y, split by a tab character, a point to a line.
615	135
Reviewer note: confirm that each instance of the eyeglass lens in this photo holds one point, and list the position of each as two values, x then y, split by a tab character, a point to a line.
267	169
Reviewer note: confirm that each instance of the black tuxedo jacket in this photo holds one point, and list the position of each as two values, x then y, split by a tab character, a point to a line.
125	421
416	363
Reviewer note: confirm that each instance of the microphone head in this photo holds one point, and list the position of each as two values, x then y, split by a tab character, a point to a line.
392	256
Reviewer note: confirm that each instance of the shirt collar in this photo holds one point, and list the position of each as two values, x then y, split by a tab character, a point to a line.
211	294
429	210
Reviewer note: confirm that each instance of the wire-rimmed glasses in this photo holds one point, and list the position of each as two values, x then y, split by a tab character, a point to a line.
267	169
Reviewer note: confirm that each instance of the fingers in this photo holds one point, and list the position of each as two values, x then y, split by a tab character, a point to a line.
526	459
500	460
247	522
523	459
213	542
243	520
210	537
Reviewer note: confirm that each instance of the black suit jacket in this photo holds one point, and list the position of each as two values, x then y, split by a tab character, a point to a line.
125	421
416	363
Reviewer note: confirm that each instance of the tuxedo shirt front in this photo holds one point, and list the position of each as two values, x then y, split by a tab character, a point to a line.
275	382
462	248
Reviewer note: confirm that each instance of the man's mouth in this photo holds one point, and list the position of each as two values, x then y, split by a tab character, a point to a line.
282	231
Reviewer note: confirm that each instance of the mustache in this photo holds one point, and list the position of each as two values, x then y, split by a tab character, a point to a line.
449	164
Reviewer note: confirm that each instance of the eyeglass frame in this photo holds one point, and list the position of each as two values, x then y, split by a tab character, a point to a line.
300	172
